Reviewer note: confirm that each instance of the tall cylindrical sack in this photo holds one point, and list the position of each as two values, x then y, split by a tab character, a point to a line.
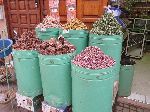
92	90
110	45
125	80
56	79
27	72
47	33
79	38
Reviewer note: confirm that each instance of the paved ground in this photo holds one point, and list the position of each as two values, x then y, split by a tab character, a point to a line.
122	107
141	81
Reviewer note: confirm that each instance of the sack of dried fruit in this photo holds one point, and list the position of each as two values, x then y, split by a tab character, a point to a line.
75	31
107	35
55	66
92	81
48	28
26	65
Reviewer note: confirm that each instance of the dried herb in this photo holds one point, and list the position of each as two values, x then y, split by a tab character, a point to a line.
107	25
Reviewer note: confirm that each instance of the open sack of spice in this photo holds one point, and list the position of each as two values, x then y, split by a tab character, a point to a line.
107	25
55	47
49	28
49	22
75	24
27	41
75	31
93	58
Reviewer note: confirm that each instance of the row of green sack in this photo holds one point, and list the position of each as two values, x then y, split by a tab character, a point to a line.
51	75
63	83
110	44
77	37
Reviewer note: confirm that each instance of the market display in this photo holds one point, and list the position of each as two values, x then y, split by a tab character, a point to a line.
107	25
49	22
75	24
27	42
93	58
59	67
55	47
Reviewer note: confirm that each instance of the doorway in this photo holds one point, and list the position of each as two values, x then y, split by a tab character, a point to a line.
23	15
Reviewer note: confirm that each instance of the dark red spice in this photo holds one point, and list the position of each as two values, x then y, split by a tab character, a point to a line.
55	47
27	41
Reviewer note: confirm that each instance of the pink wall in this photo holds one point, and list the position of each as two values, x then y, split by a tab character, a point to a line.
3	27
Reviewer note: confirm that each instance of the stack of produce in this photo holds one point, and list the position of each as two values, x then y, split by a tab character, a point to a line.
75	24
27	42
93	58
49	22
55	47
107	25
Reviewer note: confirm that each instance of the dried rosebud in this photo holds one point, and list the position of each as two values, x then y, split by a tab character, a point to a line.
92	57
